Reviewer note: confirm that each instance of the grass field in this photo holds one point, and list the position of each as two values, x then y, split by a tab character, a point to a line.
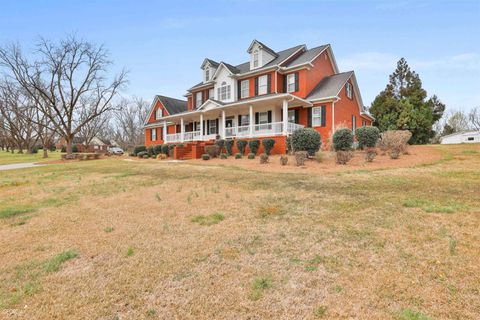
9	158
112	239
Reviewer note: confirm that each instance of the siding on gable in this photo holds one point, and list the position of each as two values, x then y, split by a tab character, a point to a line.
158	105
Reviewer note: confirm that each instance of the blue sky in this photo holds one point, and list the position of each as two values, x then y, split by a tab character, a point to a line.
163	44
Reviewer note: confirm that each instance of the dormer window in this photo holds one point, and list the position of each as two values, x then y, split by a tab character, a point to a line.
207	74
255	59
223	92
158	113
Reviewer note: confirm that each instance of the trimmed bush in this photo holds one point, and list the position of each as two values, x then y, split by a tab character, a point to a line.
229	146
251	156
241	144
157	149
165	149
213	150
138	149
370	154
283	160
289	144
319	156
74	149
343	156
300	157
35	150
343	140
151	150
238	156
223	156
306	139
142	154
263	158
254	145
205	156
220	143
268	145
395	141
367	136
52	148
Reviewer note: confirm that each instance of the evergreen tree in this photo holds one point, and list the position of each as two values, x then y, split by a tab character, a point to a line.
402	105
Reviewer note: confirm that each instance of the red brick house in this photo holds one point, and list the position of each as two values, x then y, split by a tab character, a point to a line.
271	95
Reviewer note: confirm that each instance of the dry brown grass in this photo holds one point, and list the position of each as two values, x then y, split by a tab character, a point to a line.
302	245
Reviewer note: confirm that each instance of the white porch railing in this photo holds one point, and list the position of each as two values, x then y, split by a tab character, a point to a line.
258	130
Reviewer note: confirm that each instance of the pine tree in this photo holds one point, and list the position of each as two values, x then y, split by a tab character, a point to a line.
402	106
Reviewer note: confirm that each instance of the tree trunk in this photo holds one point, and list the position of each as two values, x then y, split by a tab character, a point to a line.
69	146
45	151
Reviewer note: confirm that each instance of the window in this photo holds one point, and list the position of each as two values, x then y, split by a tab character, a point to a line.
159	113
354	124
262	117
291	116
223	92
348	90
198	99
364	123
316	116
244	89
153	134
244	120
255	59
207	74
470	139
291	82
262	84
210	93
212	126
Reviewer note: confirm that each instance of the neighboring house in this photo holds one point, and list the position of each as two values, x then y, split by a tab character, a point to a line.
271	95
97	145
461	137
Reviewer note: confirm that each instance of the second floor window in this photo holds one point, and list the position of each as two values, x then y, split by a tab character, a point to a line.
224	92
291	82
244	90
348	90
207	74
255	59
262	84
159	113
198	99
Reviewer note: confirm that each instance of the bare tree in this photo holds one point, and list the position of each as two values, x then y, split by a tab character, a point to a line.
474	118
129	121
94	127
64	79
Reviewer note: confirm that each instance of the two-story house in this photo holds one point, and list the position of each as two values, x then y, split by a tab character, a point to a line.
271	95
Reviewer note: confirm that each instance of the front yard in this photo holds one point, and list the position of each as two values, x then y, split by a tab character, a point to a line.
148	239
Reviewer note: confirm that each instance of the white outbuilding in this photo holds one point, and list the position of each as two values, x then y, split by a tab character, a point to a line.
462	137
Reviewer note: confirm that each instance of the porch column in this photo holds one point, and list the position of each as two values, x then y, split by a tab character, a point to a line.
201	126
223	125
164	131
182	130
285	117
250	113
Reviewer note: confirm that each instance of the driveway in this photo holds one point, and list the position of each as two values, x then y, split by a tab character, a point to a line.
19	166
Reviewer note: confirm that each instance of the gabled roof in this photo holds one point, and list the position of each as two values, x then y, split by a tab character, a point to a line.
307	56
212	63
329	86
231	68
281	56
172	105
264	47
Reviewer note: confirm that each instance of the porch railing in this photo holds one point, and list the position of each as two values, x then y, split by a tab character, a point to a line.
258	130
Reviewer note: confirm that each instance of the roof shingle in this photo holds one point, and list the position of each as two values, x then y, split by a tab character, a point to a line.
329	86
173	105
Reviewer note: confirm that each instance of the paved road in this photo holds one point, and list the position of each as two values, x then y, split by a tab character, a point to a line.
19	166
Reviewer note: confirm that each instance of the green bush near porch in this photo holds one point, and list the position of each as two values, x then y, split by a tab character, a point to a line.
251	155
238	156
367	136
138	149
254	145
229	146
306	139
343	140
205	156
268	145
241	144
165	149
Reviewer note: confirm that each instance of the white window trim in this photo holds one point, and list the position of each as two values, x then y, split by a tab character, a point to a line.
262	86
244	92
256	59
159	113
198	99
224	92
291	82
153	134
214	121
245	123
207	74
317	115
348	90
261	115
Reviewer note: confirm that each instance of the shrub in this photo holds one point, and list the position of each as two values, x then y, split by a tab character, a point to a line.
223	156
238	156
212	150
161	156
251	156
300	157
283	160
241	144
35	150
319	156
151	150
367	136
229	146
343	156
74	149
138	149
395	142
268	145
205	156
142	154
370	154
171	147
52	148
263	158
165	149
157	149
343	140
220	143
254	145
306	139
63	149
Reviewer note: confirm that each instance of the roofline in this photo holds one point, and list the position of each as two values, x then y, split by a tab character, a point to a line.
154	102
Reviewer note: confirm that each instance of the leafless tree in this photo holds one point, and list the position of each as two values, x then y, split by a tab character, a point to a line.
65	79
474	118
94	127
129	121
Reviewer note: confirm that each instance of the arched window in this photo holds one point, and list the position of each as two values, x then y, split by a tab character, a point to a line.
223	92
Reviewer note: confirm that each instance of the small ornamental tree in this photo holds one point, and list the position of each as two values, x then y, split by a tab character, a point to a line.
367	136
229	146
254	145
306	139
268	145
220	143
241	144
342	143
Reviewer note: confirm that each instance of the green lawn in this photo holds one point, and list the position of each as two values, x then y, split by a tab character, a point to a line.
9	158
114	239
